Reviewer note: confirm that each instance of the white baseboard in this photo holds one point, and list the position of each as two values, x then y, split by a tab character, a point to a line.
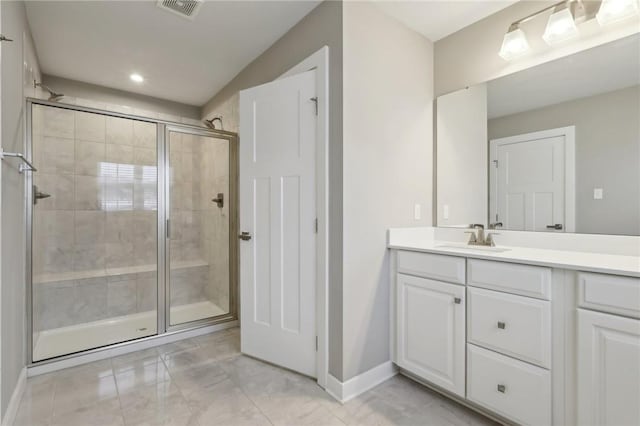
344	391
125	348
12	409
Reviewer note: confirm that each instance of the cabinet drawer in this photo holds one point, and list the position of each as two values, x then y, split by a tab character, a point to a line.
513	325
526	280
609	293
436	266
514	389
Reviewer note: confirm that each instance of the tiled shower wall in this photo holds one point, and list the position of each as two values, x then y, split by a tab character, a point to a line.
214	179
95	238
200	229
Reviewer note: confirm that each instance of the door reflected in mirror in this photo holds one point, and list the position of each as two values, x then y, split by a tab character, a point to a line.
553	148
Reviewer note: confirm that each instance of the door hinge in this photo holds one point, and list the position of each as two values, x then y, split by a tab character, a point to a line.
316	225
315	101
496	217
316	343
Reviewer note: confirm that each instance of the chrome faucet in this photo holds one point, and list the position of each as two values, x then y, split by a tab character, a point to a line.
478	237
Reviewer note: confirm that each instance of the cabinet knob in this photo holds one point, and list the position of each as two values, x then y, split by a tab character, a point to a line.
457	300
502	388
501	325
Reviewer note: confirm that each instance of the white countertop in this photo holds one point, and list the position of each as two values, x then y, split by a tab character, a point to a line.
565	259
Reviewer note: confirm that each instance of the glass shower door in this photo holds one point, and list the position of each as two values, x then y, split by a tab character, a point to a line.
94	230
201	201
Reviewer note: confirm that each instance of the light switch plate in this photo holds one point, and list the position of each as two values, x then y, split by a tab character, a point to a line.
417	212
597	193
445	211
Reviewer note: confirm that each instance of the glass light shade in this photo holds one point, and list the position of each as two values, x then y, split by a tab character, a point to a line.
560	27
616	10
514	44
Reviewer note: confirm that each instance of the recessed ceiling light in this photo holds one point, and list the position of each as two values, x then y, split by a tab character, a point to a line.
136	77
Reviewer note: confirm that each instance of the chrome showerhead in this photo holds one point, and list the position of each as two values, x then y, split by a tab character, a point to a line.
209	123
53	96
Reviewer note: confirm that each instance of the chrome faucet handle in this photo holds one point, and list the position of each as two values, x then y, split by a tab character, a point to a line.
480	235
472	238
489	238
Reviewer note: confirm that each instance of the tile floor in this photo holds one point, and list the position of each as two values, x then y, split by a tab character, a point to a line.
206	381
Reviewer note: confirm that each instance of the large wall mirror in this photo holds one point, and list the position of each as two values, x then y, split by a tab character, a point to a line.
552	148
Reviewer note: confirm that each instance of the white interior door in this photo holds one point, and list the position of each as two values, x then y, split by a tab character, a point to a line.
529	181
278	211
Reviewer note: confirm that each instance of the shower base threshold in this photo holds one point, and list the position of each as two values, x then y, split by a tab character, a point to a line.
81	337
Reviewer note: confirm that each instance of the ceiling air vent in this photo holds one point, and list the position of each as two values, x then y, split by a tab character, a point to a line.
185	8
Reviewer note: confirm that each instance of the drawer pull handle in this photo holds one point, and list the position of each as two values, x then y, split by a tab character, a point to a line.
457	300
502	325
502	388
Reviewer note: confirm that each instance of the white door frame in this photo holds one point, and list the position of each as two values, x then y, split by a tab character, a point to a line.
569	134
320	62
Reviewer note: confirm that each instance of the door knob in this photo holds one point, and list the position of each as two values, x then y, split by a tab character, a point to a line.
557	226
457	300
502	325
245	236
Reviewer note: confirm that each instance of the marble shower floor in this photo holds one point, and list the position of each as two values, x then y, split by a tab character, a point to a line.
206	381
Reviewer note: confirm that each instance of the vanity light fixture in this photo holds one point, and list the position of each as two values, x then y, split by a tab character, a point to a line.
514	43
561	25
616	10
136	77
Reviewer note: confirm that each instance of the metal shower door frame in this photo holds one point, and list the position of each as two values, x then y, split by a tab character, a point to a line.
233	199
162	283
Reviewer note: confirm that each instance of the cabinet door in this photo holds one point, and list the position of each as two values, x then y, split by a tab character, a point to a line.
608	369
431	331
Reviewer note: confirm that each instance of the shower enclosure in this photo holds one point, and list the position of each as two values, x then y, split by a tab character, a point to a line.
131	226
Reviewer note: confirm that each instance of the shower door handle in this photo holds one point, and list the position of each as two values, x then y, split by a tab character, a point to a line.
245	236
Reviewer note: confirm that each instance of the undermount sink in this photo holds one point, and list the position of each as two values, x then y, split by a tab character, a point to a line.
474	248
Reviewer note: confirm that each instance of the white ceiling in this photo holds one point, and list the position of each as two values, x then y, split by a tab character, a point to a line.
436	19
103	42
602	69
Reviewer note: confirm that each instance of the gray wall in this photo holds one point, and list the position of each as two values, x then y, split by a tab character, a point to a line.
78	89
607	155
470	56
388	157
13	90
322	26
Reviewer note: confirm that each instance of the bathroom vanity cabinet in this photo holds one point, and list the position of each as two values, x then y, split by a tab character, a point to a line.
525	343
608	350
